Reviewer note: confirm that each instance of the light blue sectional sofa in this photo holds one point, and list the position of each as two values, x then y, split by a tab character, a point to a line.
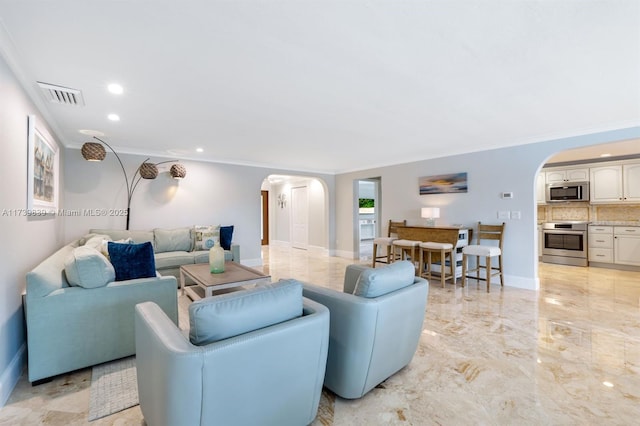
71	327
172	247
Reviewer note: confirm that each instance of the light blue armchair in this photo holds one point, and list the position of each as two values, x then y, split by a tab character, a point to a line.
374	331
251	373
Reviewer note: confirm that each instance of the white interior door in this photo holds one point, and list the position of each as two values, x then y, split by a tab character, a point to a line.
299	218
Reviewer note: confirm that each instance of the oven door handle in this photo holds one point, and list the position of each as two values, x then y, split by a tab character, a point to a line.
563	231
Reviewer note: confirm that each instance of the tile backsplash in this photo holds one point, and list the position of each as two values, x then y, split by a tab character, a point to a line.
589	213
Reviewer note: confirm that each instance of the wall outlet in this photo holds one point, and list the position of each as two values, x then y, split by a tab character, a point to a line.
503	214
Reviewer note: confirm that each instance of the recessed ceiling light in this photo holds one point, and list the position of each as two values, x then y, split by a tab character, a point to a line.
89	132
115	88
113	117
199	150
605	155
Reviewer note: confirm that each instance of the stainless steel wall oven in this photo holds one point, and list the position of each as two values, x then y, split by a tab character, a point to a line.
565	243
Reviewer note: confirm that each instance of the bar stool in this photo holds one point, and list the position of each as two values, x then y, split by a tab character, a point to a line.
407	249
492	233
380	242
444	249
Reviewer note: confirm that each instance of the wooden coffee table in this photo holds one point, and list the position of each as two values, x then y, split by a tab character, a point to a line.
234	275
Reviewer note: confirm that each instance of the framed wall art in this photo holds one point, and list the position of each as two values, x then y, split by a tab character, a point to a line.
443	184
42	169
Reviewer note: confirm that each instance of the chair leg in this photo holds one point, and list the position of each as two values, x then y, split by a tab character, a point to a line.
501	271
452	263
443	269
375	253
413	260
389	248
488	273
464	269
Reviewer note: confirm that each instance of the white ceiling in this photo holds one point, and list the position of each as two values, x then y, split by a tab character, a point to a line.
325	85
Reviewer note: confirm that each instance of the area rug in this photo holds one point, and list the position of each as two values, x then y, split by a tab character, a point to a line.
114	387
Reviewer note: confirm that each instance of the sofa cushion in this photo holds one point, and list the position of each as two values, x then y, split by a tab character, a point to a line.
87	267
226	235
132	260
121	234
205	236
179	239
216	318
379	281
174	259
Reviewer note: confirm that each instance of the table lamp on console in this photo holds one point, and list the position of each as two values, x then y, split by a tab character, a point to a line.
430	214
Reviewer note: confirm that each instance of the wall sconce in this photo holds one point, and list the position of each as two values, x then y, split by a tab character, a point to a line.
282	200
431	214
93	151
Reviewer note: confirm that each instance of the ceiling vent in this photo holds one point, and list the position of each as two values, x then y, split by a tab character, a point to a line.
61	95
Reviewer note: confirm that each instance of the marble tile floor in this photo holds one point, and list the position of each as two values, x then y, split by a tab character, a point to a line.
567	355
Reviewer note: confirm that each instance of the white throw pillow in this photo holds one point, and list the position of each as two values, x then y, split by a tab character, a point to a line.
99	242
87	267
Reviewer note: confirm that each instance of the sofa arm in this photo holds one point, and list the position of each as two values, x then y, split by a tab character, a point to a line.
72	327
351	338
351	275
166	361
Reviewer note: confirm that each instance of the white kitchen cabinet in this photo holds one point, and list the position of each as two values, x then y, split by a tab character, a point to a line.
631	182
615	183
606	184
567	175
626	248
540	188
600	244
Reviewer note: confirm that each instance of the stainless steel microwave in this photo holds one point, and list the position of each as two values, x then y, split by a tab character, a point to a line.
560	192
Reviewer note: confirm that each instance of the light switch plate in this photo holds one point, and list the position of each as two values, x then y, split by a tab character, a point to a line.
502	214
516	215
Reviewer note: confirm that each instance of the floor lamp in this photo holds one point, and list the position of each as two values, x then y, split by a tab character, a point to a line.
94	151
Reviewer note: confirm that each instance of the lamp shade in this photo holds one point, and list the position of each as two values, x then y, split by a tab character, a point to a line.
93	151
178	171
148	170
430	212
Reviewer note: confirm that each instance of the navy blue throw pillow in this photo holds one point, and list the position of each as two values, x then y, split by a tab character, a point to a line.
226	234
132	260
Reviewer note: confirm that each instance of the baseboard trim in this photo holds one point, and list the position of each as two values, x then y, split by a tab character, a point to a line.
251	262
318	250
11	374
345	254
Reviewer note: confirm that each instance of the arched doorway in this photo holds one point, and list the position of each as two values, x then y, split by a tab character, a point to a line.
296	212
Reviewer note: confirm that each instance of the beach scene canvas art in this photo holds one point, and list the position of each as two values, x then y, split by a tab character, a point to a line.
443	184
